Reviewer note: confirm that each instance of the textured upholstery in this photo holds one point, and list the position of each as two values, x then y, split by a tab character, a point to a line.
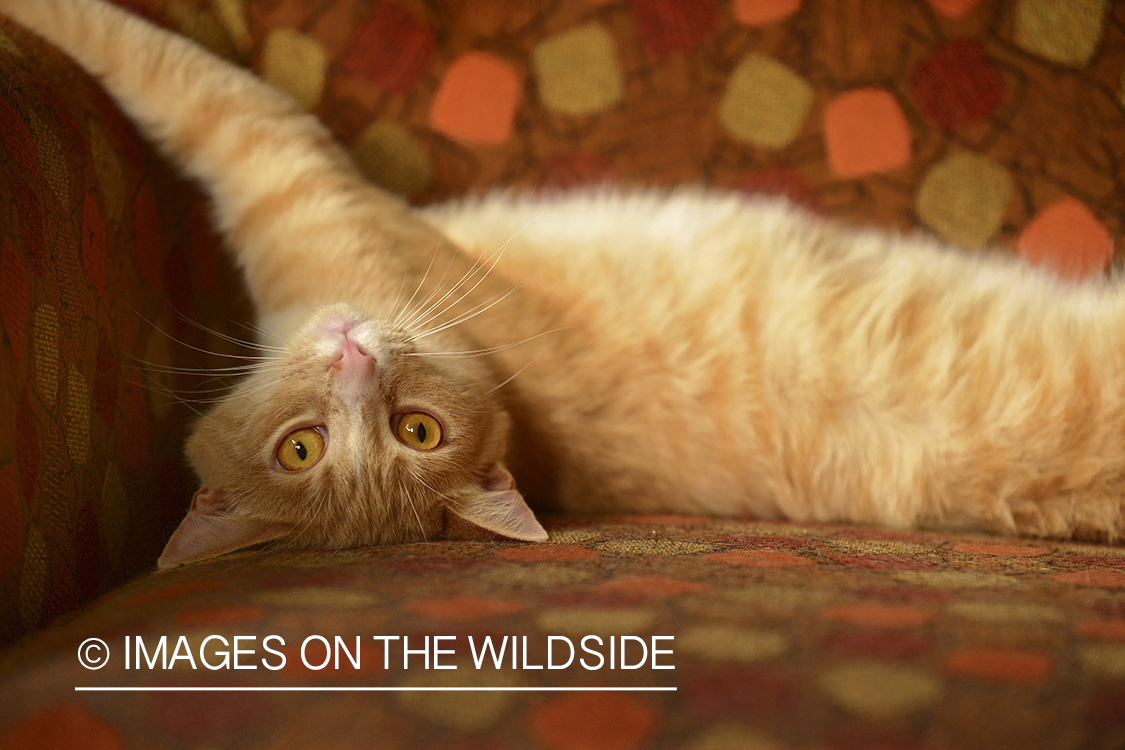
984	123
104	256
784	636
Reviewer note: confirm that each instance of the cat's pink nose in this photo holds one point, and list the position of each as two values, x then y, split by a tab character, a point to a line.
351	357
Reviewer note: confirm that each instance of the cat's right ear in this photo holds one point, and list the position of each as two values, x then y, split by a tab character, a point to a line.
495	508
210	530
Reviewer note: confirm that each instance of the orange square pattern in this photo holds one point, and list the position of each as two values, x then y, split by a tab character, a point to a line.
866	133
477	99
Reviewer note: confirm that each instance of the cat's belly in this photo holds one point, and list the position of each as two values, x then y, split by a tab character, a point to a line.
761	364
620	427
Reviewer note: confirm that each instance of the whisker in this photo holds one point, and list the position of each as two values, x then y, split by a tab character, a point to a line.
488	350
257	330
397	304
513	376
477	267
213	353
427	314
175	370
428	303
410	501
212	375
403	310
207	329
264	385
472	313
217	389
185	344
227	337
158	387
313	509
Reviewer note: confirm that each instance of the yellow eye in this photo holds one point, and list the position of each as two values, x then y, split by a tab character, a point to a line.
419	431
300	449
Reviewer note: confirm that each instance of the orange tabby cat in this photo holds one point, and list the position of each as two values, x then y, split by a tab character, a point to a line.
684	351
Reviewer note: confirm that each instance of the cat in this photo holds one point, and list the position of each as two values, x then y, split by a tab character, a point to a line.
684	351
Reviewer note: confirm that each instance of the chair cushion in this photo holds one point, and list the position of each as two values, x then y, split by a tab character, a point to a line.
780	635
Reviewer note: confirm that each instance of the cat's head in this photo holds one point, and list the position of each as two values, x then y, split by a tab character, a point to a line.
351	435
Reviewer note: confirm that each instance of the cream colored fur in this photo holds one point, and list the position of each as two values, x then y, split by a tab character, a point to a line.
665	351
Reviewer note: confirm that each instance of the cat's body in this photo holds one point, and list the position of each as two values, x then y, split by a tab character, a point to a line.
687	352
727	355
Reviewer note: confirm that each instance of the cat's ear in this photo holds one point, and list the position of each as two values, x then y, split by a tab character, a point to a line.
495	507
209	530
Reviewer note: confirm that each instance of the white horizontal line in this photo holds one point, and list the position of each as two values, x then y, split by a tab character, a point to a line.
334	689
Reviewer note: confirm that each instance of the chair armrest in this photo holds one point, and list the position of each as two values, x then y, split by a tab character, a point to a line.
102	250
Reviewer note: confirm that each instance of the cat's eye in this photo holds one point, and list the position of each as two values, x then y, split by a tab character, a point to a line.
419	430
300	449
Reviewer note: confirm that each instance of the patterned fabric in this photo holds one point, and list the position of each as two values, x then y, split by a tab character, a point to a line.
981	122
781	636
103	258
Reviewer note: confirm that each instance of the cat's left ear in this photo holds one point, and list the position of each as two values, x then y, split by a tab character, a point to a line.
496	507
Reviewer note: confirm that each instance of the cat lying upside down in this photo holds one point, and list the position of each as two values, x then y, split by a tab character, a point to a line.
693	352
